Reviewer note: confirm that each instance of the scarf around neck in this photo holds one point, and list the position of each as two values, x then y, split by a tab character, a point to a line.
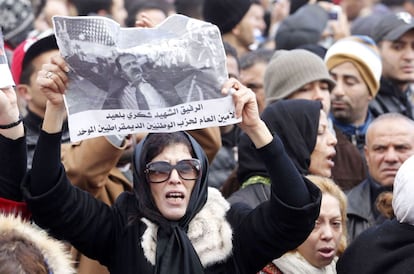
350	130
294	263
175	253
209	232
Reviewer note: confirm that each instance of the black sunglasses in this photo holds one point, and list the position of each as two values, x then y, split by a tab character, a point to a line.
160	171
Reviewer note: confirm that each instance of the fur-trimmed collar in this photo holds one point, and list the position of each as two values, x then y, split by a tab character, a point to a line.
209	232
54	252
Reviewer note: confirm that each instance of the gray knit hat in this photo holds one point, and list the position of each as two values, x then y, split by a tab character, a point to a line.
289	70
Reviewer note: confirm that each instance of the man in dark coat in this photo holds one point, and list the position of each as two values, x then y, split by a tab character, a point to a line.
387	248
394	35
389	142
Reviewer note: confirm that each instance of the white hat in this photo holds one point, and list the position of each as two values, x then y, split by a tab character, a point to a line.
403	200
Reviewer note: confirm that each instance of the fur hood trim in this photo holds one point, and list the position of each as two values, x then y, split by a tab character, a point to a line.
54	252
209	232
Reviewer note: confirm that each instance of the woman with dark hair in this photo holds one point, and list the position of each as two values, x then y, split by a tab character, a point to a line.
303	128
172	222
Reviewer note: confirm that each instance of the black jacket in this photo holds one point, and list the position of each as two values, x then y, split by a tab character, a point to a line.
387	248
33	124
391	99
13	167
104	233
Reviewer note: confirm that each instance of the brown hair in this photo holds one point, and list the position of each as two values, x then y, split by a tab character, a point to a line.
19	255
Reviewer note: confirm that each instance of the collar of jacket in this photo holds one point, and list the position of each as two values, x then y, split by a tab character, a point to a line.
33	125
351	130
390	87
362	197
209	232
359	201
256	180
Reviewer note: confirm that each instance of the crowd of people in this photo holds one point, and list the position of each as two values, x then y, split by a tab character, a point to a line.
316	178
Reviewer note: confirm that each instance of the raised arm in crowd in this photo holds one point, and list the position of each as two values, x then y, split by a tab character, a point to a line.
13	157
172	222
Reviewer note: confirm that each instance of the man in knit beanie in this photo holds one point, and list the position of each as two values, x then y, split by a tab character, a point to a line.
238	21
355	64
298	74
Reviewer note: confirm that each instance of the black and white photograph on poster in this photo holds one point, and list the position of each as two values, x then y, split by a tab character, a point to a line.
127	80
6	79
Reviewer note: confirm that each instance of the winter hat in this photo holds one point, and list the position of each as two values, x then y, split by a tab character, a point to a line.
30	49
16	20
403	203
226	14
363	25
289	70
305	26
363	53
315	48
392	26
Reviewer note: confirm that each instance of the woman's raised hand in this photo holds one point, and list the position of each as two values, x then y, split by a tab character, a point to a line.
53	79
246	107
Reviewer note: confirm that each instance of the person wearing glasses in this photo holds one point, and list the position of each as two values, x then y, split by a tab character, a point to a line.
172	222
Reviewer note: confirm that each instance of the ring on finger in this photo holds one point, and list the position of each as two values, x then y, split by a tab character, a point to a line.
49	75
232	91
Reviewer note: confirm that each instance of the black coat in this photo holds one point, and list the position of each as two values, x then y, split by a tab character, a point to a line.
391	99
33	124
387	248
13	167
104	233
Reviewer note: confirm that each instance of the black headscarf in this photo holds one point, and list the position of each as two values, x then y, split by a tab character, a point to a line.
296	122
175	253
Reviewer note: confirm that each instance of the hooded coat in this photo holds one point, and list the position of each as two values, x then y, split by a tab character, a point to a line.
54	252
211	235
296	123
